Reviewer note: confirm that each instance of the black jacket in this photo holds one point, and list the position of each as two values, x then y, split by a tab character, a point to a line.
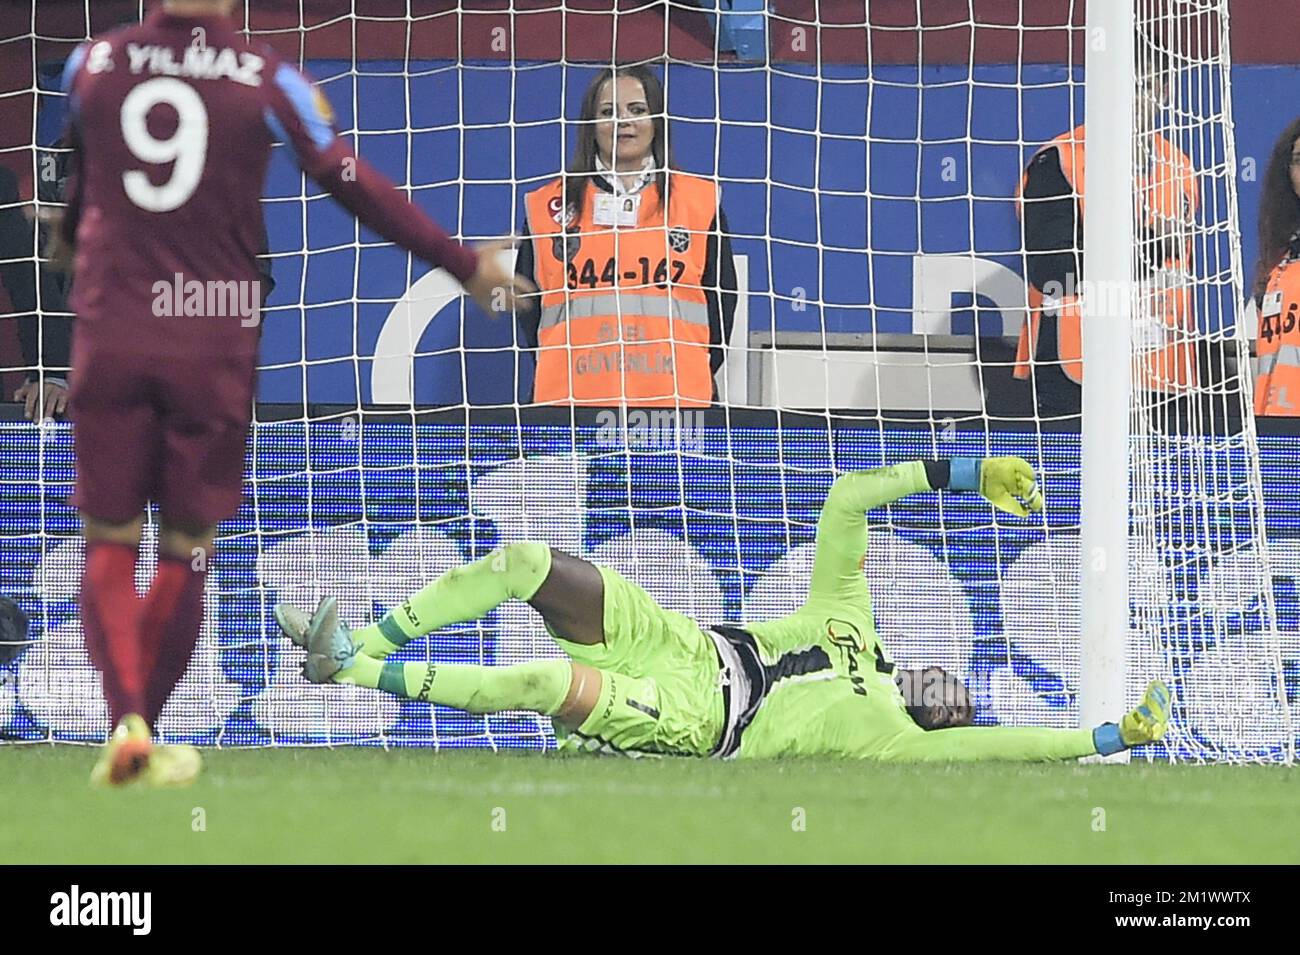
43	333
1054	254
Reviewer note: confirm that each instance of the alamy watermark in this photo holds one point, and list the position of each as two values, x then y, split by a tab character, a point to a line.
75	907
1107	298
652	429
211	299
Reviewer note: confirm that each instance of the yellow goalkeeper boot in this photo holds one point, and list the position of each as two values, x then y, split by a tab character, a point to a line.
1148	722
126	756
173	767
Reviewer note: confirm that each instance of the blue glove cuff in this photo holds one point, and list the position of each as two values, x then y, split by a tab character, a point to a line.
1107	739
965	474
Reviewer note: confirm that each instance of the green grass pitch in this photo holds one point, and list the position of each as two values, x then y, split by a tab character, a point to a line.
367	805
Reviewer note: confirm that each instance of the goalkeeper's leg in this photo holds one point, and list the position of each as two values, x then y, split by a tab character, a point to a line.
594	704
567	591
678	713
556	688
561	689
591	704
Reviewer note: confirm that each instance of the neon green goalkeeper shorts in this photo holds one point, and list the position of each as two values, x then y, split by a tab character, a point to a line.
660	679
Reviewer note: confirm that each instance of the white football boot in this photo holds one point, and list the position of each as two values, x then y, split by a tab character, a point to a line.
293	623
329	643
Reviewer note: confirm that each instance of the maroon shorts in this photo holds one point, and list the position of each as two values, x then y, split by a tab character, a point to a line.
171	430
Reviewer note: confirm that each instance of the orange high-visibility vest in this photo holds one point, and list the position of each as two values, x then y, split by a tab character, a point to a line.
1277	379
1168	190
624	318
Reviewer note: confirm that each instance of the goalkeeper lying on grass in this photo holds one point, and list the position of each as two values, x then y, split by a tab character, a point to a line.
640	678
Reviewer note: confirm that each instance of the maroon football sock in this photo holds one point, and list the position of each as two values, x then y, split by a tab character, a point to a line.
172	620
110	619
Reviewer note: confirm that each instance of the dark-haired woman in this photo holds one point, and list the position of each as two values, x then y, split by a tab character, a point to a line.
1277	281
631	258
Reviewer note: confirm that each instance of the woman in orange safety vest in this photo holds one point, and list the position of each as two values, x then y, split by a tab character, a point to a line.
1277	281
631	259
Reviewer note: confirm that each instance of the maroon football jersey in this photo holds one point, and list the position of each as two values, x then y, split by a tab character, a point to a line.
172	125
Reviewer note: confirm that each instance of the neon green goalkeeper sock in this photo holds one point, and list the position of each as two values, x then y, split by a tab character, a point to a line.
463	593
539	686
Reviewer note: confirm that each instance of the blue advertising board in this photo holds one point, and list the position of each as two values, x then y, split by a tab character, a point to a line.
720	527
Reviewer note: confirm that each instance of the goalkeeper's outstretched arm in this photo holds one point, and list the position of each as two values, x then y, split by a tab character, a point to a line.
1006	483
1147	723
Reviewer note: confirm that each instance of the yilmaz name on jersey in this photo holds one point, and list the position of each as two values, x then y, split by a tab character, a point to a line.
198	63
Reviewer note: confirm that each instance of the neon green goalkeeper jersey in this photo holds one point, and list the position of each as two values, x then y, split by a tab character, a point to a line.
830	687
825	668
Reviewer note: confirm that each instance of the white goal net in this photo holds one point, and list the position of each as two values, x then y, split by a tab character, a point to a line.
871	161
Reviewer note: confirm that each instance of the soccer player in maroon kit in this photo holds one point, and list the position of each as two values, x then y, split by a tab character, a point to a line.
172	123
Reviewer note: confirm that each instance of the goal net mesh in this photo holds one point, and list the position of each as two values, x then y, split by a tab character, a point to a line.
871	161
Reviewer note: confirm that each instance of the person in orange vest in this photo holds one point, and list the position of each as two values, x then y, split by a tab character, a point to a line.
1051	203
631	259
1277	281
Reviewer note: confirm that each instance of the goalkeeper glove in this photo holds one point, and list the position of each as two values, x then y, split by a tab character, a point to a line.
1146	724
1006	483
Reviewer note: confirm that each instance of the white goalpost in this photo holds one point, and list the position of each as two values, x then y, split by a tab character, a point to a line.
1107	344
1181	486
870	159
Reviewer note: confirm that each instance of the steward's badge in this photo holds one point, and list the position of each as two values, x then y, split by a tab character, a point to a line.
616	210
565	246
679	239
560	213
1272	304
